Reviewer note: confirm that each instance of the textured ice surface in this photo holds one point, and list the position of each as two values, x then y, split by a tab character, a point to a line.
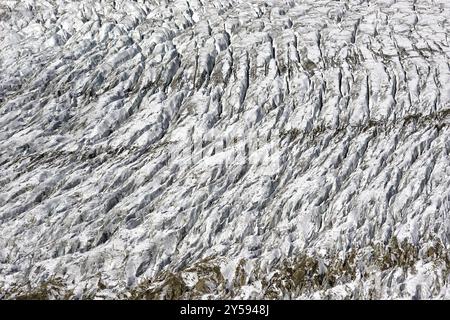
139	139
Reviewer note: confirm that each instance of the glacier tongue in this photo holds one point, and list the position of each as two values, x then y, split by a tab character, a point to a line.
225	148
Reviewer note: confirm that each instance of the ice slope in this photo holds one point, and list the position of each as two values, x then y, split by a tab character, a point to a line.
225	148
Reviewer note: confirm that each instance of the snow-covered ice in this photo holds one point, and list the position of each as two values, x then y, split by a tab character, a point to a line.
225	148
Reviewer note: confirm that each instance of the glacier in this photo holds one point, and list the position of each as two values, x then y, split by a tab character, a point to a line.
239	149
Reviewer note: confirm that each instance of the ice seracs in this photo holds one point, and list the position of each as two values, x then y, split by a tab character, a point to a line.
262	149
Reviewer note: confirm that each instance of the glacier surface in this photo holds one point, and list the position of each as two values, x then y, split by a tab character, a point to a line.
225	148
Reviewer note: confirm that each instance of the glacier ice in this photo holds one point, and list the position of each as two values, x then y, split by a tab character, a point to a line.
225	148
